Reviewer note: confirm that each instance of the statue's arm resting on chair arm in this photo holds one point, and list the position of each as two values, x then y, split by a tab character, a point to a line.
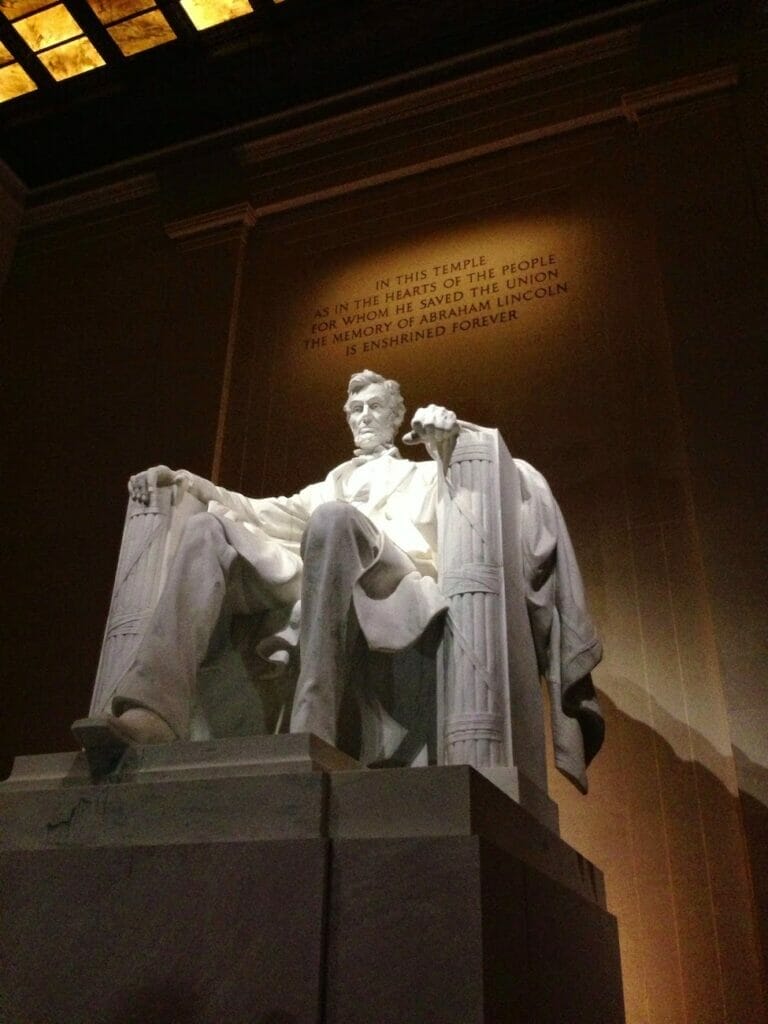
279	517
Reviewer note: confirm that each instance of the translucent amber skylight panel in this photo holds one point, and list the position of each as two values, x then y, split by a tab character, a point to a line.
71	59
204	13
18	8
141	33
48	27
14	81
113	10
5	55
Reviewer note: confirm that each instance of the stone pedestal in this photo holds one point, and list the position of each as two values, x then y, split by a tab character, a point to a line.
264	880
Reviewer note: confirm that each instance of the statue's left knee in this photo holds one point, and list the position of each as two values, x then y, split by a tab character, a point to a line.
337	522
332	515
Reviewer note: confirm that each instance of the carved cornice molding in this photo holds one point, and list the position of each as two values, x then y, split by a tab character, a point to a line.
46	208
101	198
214	227
667	94
451	159
481	84
628	107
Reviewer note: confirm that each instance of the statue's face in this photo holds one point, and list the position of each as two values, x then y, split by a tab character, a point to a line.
370	418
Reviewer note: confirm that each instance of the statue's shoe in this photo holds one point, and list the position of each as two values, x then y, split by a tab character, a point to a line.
139	725
105	740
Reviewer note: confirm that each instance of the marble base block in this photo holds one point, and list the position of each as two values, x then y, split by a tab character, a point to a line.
200	886
163	934
455	930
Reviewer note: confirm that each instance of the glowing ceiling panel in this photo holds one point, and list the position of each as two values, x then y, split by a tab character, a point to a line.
204	13
71	59
18	8
47	28
63	48
109	11
142	33
14	81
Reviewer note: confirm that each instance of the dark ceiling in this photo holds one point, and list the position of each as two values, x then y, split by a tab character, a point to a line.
273	62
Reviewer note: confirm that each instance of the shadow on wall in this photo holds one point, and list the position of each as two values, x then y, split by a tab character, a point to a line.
667	833
755	814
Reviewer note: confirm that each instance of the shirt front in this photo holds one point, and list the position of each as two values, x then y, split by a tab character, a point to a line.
356	479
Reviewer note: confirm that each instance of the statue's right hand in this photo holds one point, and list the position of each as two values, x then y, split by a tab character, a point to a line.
142	485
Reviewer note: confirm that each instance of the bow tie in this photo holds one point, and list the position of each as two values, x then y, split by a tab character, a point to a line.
382	449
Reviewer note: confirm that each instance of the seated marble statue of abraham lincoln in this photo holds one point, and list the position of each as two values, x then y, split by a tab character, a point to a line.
357	550
353	557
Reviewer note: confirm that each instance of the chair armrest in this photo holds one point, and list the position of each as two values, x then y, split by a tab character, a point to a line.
150	537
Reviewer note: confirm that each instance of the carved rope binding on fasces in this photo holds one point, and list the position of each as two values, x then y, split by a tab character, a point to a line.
471	578
150	533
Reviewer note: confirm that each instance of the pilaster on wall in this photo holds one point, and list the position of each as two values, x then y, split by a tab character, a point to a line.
211	241
12	194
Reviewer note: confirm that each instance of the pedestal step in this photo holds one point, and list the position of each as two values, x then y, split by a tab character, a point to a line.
206	883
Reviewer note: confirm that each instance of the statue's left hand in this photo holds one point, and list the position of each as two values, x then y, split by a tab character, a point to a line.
141	486
437	428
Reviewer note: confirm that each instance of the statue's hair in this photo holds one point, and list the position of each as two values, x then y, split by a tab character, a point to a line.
361	380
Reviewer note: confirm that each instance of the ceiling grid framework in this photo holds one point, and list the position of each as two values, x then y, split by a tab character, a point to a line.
44	42
167	87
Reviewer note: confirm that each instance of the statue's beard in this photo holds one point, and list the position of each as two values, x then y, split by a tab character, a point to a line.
373	440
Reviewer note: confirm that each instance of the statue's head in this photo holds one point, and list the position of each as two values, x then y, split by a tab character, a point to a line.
374	409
